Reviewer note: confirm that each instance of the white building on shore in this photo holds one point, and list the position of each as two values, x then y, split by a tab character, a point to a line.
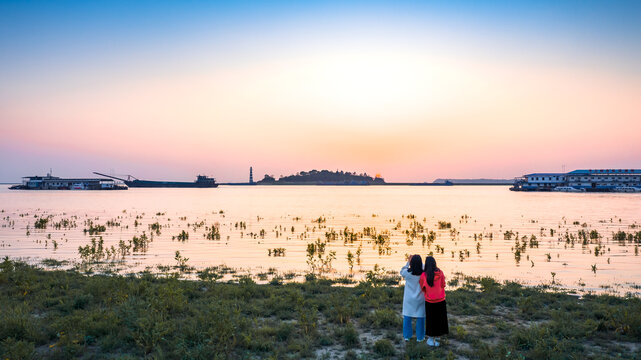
604	179
589	180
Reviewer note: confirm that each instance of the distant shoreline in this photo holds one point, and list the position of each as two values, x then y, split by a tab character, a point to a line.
317	184
385	184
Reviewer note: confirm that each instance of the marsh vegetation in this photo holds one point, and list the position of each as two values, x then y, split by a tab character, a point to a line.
58	314
327	245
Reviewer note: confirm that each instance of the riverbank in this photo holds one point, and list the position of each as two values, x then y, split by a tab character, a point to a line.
64	314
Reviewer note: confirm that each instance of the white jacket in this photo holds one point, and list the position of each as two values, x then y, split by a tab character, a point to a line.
413	298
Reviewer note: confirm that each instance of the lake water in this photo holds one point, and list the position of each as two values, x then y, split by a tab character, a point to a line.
287	217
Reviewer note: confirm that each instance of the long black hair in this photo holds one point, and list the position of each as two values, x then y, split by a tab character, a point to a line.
416	265
430	268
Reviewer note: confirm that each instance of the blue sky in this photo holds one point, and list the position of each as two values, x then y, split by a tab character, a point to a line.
40	33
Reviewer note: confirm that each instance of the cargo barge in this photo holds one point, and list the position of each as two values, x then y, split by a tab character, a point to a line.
201	182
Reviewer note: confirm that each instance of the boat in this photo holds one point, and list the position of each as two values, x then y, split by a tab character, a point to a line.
567	189
626	189
202	181
50	182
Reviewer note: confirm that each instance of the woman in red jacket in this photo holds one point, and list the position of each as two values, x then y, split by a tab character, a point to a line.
433	286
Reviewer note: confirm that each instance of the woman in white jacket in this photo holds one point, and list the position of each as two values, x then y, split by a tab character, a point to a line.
413	298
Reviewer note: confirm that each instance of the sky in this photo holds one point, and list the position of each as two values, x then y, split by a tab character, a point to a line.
413	91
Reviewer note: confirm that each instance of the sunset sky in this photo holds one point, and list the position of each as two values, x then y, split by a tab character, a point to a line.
411	90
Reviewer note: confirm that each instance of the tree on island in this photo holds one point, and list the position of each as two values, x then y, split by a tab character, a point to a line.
268	179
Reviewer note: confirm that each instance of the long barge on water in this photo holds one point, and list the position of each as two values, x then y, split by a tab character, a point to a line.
590	180
132	182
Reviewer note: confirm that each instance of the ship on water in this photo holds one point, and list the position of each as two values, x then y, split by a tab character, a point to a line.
50	182
202	181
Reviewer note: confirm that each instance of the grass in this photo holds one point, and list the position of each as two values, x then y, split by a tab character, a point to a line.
65	314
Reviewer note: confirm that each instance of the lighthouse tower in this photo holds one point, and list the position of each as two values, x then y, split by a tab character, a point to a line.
251	175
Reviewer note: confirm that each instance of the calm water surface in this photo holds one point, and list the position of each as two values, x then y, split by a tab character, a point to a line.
485	211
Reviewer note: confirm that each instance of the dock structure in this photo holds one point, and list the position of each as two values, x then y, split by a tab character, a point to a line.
596	180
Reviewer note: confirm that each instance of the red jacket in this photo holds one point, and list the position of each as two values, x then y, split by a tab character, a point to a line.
436	293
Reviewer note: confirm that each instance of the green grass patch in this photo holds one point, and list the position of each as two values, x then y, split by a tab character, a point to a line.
63	314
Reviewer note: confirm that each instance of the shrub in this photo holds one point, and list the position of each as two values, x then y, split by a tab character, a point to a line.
384	318
351	355
17	323
284	332
347	335
11	348
384	347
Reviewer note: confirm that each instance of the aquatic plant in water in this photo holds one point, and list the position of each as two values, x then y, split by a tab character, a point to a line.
276	252
140	243
155	227
213	232
181	260
183	236
318	258
94	229
350	261
97	251
41	223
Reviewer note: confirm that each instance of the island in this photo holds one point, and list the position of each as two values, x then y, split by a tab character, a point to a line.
323	177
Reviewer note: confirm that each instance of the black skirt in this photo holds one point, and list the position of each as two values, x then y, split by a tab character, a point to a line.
436	319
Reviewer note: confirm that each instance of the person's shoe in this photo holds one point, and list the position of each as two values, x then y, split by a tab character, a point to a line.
430	341
436	343
407	340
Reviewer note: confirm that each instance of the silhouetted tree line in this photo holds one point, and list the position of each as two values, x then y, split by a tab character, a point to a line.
324	176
